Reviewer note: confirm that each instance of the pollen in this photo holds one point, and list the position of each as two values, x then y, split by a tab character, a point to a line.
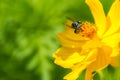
88	30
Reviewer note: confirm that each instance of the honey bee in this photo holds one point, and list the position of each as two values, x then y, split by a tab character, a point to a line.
76	25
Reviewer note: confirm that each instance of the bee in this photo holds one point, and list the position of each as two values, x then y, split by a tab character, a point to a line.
76	25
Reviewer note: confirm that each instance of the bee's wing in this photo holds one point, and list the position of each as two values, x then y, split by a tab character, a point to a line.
69	22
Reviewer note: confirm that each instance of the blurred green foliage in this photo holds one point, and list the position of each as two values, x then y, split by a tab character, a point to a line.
28	31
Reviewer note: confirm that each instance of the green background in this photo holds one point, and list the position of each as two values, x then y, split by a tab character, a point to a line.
28	39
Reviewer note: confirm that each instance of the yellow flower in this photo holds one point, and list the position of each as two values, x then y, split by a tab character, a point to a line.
95	46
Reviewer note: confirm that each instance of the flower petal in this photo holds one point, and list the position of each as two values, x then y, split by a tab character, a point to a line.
101	61
91	56
89	75
103	58
76	71
115	61
91	44
79	67
114	15
115	51
67	41
68	57
98	14
113	41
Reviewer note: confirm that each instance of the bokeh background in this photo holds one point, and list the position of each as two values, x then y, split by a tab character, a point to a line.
28	39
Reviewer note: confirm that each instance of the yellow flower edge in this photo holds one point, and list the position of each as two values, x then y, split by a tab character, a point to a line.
91	50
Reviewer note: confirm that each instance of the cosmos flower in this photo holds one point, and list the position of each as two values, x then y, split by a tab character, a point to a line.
95	46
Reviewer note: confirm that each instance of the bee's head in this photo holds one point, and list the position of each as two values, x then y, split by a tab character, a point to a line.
76	24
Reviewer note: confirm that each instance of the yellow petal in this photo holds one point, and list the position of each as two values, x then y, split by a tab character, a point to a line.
115	61
70	58
91	56
67	57
79	67
103	58
101	62
114	15
91	44
113	41
76	71
67	41
98	14
115	51
115	58
89	75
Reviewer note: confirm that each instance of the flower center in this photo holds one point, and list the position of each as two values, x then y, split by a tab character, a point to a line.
88	30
